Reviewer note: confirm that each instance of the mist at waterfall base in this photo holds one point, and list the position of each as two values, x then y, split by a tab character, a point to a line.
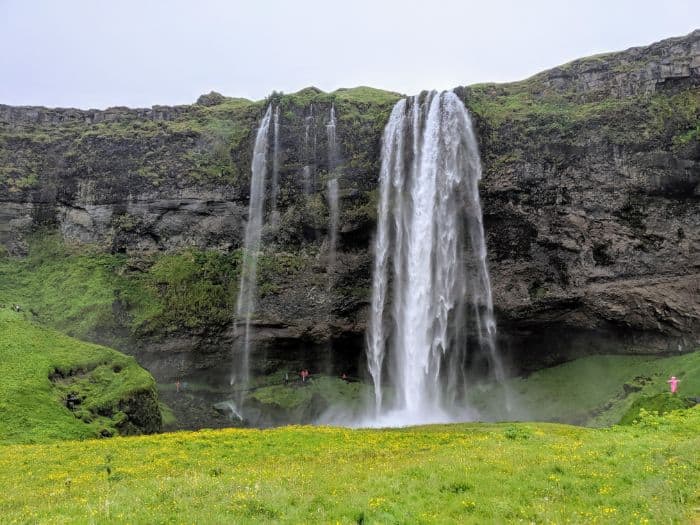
431	334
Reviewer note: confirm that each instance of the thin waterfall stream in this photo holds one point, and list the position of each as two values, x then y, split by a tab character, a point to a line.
274	214
309	152
247	290
332	191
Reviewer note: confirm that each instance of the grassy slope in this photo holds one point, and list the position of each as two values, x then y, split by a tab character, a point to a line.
473	473
591	390
74	287
32	407
69	290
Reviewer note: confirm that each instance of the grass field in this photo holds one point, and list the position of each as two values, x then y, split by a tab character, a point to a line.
39	367
466	473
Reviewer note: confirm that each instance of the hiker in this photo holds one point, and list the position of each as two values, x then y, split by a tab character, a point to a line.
177	385
673	382
286	378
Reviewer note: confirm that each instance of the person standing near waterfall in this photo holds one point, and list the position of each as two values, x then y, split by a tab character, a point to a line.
673	383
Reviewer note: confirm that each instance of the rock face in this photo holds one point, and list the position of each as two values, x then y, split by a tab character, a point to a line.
591	201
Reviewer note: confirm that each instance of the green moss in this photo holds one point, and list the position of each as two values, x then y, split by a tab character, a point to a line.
519	110
692	135
660	404
87	292
90	294
68	287
366	95
191	288
296	395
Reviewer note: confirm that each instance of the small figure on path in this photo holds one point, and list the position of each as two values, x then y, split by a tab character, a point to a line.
673	382
177	385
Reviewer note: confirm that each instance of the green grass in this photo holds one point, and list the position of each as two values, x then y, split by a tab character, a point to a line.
39	367
72	289
594	390
468	473
367	95
333	391
87	292
662	403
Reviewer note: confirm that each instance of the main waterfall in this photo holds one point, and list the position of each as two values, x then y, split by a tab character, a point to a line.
431	311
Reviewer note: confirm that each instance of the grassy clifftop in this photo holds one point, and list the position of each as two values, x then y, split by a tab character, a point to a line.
40	368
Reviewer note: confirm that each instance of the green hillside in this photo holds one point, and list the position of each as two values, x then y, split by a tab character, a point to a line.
593	391
40	368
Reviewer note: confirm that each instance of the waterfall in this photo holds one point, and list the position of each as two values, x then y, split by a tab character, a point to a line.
334	213
332	142
332	187
247	289
274	215
309	153
432	271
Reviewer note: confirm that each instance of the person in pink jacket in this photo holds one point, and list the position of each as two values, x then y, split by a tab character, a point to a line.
673	382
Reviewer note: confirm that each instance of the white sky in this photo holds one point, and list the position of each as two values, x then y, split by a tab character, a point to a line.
99	53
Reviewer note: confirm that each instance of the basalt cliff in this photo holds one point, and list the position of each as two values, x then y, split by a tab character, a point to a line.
125	226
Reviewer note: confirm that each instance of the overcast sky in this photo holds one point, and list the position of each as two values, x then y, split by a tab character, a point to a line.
95	54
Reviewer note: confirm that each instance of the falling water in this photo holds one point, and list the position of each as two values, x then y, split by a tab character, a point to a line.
332	142
334	212
274	214
247	290
332	186
434	275
229	406
309	153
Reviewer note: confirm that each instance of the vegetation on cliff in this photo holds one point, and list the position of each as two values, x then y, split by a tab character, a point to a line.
90	293
525	113
55	387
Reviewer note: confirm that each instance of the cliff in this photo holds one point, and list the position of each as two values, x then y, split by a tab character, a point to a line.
591	196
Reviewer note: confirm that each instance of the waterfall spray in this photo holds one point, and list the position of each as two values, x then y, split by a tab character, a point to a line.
436	276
